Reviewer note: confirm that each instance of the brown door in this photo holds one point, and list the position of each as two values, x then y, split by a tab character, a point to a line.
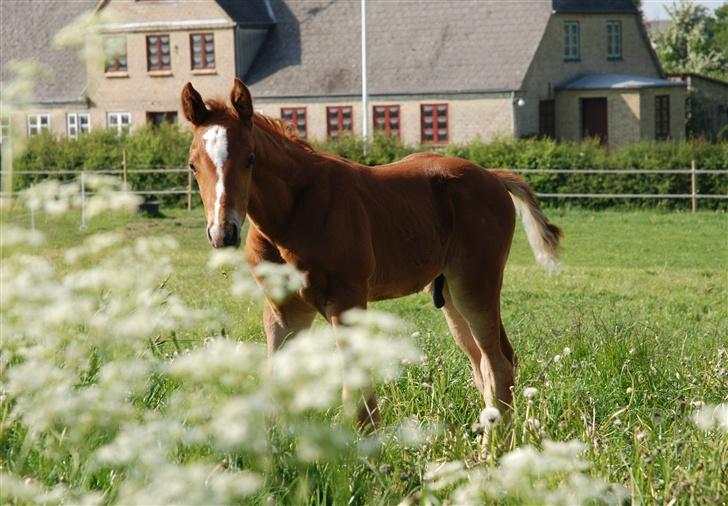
594	118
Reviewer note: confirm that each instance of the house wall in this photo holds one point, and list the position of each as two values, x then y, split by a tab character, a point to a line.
56	114
630	114
677	112
468	118
623	115
707	105
138	90
549	70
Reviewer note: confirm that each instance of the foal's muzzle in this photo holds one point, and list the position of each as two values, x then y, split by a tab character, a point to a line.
221	236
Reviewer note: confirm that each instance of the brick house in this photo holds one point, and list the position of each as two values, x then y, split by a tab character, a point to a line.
707	105
439	72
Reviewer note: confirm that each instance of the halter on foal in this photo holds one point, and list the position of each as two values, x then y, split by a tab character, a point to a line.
366	233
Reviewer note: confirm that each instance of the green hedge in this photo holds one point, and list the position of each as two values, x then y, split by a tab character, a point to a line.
168	146
146	148
549	154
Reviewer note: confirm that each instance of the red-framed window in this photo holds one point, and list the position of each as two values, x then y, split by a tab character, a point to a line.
387	119
158	56
295	116
115	53
435	126
339	119
203	50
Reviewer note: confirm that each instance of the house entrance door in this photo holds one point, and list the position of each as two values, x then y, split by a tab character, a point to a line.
594	119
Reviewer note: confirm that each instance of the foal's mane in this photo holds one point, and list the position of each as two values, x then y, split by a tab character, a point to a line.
279	128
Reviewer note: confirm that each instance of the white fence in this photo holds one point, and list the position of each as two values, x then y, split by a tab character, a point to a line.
189	190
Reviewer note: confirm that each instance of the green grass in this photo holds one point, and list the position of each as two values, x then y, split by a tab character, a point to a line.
640	301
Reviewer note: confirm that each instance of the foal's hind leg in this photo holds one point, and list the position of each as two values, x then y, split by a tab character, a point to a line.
460	331
478	301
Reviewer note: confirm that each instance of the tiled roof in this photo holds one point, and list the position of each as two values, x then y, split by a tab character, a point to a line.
617	81
415	46
248	12
595	6
27	34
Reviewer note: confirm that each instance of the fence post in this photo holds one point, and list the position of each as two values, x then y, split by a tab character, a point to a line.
693	186
124	168
83	226
189	190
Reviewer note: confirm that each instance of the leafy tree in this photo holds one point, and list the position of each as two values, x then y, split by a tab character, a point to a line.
689	44
721	30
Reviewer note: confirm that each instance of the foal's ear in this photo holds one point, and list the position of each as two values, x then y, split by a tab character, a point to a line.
241	100
193	105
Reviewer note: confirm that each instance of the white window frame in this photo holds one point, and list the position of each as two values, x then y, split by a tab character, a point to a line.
36	127
74	126
119	126
4	129
572	41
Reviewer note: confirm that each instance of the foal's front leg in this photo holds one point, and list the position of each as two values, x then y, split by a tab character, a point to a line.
368	416
283	321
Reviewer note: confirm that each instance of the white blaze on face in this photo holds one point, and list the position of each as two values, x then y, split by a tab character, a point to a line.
216	146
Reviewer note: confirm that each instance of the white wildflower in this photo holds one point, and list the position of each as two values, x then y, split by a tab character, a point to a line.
410	433
225	257
12	236
712	416
489	417
278	281
567	351
443	474
530	392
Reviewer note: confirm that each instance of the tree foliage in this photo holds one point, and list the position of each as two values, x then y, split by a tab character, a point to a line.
721	31
692	43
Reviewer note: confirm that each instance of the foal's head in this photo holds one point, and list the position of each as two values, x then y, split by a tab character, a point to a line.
221	158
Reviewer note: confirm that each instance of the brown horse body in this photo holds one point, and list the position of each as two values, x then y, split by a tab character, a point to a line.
369	233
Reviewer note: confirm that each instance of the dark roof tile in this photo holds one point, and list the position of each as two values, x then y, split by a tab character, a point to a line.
415	46
595	6
249	12
28	28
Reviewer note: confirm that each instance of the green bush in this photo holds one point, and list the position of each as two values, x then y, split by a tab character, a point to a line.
147	149
167	147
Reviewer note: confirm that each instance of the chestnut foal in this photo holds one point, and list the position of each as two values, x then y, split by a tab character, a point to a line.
366	233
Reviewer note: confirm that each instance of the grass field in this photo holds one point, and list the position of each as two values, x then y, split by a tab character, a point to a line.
640	303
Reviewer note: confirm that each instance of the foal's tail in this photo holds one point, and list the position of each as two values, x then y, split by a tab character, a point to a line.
542	236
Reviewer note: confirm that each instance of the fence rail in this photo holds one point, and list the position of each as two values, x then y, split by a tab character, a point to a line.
694	196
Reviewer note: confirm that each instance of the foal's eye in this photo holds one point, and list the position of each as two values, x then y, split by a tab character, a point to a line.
192	168
251	160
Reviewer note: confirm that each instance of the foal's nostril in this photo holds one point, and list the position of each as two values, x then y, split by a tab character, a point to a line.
209	236
232	235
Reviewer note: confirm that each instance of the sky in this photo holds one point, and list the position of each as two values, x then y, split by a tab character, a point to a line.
655	9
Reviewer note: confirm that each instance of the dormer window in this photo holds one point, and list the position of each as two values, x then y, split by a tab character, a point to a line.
614	40
571	41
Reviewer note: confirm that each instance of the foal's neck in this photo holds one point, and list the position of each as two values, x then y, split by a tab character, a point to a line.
281	169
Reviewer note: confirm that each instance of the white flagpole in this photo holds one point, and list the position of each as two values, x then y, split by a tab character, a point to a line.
364	95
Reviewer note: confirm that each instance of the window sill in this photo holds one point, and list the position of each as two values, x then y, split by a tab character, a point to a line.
204	72
572	60
614	58
116	74
159	73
